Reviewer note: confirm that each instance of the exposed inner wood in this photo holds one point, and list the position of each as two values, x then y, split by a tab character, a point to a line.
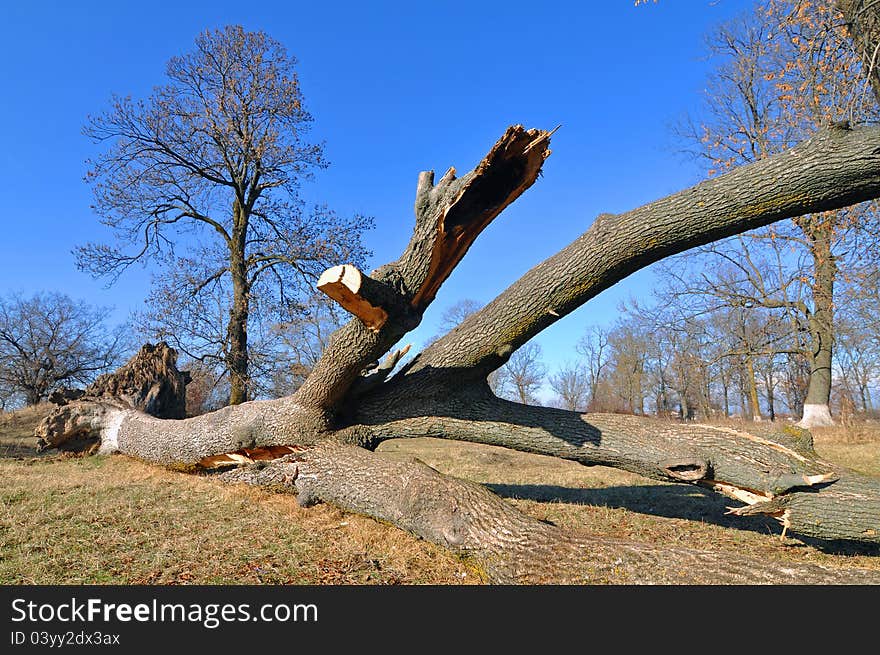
511	167
748	496
248	456
343	284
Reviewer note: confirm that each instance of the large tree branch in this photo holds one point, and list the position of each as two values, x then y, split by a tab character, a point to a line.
449	217
835	168
511	546
113	426
775	473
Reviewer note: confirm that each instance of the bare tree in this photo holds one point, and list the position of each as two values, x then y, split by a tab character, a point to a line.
572	386
318	441
204	392
303	337
209	165
858	356
786	70
593	347
50	341
626	368
522	376
456	313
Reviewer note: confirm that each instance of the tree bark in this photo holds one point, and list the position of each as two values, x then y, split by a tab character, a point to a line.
752	388
774	473
821	325
511	546
835	168
149	382
237	356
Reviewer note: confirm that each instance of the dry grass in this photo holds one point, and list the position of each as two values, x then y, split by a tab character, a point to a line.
114	520
17	430
613	503
118	521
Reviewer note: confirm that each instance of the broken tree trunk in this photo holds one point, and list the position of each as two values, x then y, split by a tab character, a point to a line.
317	441
773	473
149	382
511	547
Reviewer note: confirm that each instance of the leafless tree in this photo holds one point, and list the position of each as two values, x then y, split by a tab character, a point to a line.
572	386
628	347
456	313
522	377
593	348
202	177
205	391
302	339
50	341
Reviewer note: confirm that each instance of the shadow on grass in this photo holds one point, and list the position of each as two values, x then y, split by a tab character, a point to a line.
671	501
19	449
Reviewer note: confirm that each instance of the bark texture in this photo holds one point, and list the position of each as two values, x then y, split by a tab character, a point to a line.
511	546
775	472
239	312
821	325
835	168
449	217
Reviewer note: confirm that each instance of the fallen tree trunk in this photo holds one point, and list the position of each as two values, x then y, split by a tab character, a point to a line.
510	546
776	473
317	440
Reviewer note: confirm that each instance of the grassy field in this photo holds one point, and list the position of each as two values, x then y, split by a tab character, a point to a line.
115	520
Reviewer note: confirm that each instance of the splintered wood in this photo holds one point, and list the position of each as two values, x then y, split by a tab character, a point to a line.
511	166
248	456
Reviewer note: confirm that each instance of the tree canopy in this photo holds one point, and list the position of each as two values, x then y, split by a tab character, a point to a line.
50	341
202	178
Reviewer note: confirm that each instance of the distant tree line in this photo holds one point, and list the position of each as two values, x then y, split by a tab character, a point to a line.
676	359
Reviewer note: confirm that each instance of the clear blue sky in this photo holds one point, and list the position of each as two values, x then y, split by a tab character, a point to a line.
395	88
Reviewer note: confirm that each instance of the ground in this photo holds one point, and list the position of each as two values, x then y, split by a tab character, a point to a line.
114	520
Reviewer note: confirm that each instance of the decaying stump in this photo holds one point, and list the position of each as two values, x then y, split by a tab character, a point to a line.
149	382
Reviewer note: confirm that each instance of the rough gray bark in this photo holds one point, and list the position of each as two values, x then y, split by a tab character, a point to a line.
821	325
236	328
836	168
511	546
449	217
775	472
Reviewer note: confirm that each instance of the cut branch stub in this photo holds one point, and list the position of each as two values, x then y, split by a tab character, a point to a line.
510	167
449	217
357	293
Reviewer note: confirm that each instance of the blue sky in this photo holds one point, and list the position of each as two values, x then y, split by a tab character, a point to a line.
395	88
